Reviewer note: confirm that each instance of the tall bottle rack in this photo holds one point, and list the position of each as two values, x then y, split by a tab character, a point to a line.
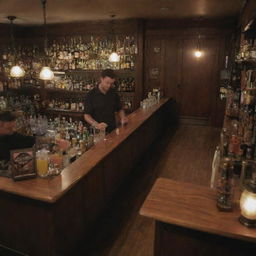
238	137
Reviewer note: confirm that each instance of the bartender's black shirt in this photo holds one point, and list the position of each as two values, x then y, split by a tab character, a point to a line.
102	107
14	141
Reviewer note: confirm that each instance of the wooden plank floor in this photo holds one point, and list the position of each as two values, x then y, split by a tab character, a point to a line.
184	154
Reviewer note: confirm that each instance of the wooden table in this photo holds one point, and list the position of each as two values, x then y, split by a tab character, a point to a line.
52	216
189	223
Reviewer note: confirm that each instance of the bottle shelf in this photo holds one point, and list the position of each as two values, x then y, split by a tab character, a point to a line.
64	111
25	88
93	71
126	92
58	90
246	60
232	116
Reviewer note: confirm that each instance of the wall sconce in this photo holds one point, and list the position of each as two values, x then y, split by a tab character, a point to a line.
16	71
114	57
248	205
46	72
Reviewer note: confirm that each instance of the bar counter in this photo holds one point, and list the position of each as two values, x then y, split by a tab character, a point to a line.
56	213
187	222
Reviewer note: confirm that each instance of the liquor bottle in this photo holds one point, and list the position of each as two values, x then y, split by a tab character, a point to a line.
225	187
224	142
215	167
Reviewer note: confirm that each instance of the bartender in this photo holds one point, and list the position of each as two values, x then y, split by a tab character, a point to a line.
9	138
102	102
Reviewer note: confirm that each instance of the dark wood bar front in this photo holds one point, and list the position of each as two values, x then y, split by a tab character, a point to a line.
189	223
52	216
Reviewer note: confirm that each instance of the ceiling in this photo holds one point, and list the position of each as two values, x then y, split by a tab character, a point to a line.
62	11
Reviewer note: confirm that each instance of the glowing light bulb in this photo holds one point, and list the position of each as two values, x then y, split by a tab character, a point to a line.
114	57
198	53
17	71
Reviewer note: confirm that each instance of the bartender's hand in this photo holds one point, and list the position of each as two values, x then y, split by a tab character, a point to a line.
101	126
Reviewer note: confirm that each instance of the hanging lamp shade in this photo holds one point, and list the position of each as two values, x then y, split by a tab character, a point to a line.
46	72
16	71
198	52
114	57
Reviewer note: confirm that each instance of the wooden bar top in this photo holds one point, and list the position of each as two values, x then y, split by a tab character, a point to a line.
194	207
52	188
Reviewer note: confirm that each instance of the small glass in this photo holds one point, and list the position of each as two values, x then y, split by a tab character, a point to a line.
99	135
55	163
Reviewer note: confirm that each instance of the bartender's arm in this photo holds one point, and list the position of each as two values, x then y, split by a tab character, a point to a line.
92	122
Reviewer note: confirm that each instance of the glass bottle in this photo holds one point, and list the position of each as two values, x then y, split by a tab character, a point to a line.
215	167
225	187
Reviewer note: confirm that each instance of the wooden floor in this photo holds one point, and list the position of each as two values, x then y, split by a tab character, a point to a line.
184	154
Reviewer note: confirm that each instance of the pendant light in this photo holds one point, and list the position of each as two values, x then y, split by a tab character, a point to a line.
198	52
114	57
46	72
16	71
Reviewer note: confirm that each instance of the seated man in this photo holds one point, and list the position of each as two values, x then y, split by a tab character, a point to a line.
9	139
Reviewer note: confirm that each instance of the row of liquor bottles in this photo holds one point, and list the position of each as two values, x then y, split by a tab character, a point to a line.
238	147
77	47
68	82
239	132
230	177
76	104
33	67
240	102
62	128
80	83
247	51
32	104
126	62
47	131
74	53
59	141
28	104
234	162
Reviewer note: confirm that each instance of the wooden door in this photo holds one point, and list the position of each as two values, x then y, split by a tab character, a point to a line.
191	81
198	78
